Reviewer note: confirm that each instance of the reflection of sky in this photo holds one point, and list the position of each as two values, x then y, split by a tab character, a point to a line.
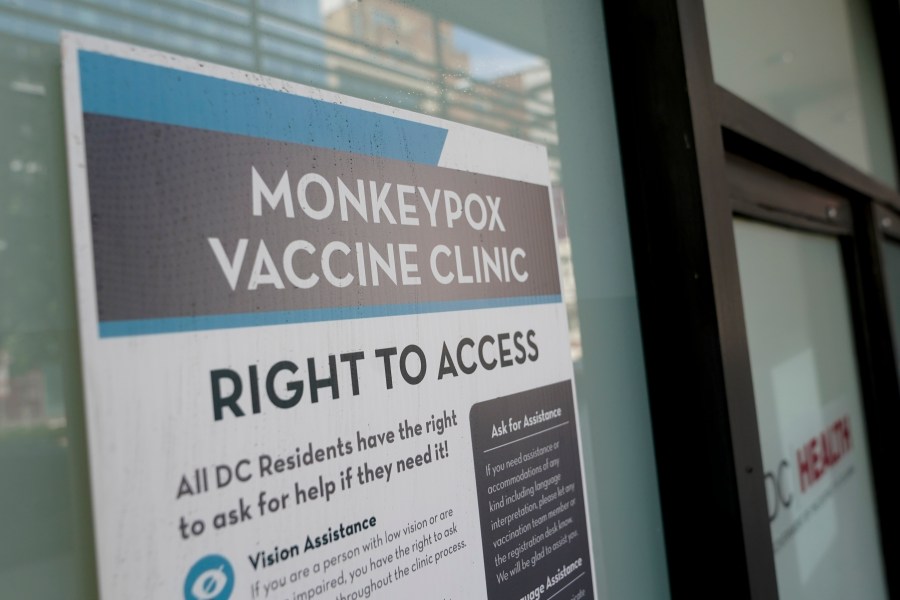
489	59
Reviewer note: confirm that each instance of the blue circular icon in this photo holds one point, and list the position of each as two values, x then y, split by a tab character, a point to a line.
211	578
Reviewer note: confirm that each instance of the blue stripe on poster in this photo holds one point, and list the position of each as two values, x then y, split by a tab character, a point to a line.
130	89
110	329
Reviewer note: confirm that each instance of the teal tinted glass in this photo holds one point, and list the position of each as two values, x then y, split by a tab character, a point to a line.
511	67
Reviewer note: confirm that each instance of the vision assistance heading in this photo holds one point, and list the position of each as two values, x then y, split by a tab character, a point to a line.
376	260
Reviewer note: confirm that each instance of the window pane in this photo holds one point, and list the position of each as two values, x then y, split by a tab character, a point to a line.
532	69
812	64
813	438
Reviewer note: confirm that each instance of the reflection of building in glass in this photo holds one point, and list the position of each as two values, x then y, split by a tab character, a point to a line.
400	30
4	379
421	65
416	57
21	397
533	111
566	269
289	44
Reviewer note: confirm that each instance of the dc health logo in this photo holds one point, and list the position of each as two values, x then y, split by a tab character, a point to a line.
211	578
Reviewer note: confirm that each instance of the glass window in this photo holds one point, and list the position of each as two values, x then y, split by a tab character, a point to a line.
812	64
813	437
534	70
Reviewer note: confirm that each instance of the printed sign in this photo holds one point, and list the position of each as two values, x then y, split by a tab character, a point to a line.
324	346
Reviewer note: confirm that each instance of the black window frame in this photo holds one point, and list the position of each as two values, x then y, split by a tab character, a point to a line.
678	129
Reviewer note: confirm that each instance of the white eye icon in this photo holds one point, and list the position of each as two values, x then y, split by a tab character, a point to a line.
210	584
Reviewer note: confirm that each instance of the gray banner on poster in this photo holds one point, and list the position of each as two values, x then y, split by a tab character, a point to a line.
160	193
531	501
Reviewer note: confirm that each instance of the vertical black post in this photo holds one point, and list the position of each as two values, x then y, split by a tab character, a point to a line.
701	396
883	410
875	346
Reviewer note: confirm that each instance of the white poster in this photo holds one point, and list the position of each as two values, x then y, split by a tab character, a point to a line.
324	346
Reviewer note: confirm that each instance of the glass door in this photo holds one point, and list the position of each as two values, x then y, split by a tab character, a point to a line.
792	245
